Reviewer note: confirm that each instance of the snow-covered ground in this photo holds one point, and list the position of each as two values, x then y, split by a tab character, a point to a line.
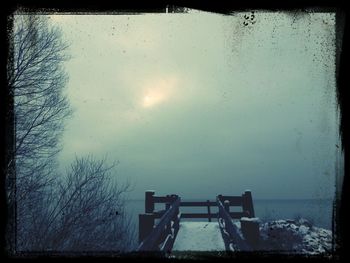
286	236
199	236
295	236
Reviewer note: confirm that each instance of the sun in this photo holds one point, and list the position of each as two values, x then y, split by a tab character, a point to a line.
153	98
157	91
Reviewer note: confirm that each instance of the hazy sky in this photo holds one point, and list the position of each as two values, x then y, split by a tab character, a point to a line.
199	104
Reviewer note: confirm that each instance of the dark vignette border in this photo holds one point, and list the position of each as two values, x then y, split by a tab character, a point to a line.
341	218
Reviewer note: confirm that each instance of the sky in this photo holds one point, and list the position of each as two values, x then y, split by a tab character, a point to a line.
200	104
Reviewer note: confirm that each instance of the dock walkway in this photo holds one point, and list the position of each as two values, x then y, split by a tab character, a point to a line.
199	236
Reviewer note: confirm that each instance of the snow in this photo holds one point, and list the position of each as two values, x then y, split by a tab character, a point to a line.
237	223
232	248
250	219
221	223
297	236
302	229
291	236
199	236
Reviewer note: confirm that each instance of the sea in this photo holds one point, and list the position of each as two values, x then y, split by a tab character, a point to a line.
317	211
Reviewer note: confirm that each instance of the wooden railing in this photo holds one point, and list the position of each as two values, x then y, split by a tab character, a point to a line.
245	201
158	229
207	204
160	236
234	240
151	200
230	233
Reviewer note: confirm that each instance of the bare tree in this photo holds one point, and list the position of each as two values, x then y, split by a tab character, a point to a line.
71	212
37	79
89	211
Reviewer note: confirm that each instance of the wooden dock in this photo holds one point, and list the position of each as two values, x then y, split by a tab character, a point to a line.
166	229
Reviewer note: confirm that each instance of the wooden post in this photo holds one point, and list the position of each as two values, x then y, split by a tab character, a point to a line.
227	206
167	205
247	203
209	214
220	198
149	203
146	223
250	231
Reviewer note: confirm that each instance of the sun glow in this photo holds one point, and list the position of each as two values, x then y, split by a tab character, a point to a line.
152	99
157	91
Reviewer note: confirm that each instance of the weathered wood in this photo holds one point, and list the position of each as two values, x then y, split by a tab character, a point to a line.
227	206
167	206
168	225
247	203
162	236
168	243
170	239
231	229
250	231
209	214
188	203
150	243
198	215
177	223
163	199
235	215
149	203
234	200
146	223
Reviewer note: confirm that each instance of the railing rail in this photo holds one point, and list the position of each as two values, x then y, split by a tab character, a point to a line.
245	201
230	233
236	215
162	236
